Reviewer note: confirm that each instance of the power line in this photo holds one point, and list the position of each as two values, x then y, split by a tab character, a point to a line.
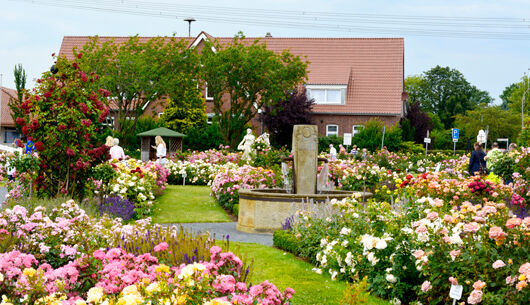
342	22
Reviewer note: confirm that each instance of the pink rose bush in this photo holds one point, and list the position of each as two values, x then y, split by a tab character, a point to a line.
63	256
116	277
229	180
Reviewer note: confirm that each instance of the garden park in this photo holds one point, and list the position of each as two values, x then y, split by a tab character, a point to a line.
78	227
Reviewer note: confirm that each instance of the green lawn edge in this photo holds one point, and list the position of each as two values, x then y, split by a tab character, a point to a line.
286	270
186	204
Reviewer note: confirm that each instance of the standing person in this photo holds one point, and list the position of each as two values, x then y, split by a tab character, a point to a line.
512	147
332	153
116	152
493	156
354	151
161	150
476	161
109	141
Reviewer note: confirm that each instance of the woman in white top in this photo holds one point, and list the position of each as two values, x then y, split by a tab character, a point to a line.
116	152
161	150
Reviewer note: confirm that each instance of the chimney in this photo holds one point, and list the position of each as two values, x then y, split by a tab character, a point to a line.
268	35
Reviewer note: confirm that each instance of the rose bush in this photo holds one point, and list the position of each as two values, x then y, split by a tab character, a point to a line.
62	116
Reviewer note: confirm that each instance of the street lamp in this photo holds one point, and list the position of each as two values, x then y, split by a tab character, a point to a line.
525	89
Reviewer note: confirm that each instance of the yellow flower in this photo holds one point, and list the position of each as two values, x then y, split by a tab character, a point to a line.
146	280
162	268
154	287
510	261
217	302
80	302
94	295
130	290
5	301
29	272
522	277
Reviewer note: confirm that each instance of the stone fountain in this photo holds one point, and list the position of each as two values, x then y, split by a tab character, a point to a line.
264	210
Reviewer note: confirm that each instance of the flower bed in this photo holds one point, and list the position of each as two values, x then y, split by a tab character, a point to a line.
413	251
65	256
229	180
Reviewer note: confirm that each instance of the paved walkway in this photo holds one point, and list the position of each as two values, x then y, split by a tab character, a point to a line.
222	229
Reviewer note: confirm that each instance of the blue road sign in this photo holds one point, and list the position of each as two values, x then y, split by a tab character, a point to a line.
455	133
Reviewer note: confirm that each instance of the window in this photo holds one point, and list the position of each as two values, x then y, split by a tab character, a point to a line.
332	130
208	98
109	121
327	94
11	135
209	118
356	129
160	114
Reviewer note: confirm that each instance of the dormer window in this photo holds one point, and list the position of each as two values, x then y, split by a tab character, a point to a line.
327	94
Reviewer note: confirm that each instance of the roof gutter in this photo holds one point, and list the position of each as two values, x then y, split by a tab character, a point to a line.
357	113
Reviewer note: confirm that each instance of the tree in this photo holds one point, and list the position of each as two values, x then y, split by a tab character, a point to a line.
185	110
20	85
517	94
506	95
502	123
137	73
419	121
445	92
249	77
279	118
62	116
412	84
370	137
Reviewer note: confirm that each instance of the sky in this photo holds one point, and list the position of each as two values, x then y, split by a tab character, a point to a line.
30	31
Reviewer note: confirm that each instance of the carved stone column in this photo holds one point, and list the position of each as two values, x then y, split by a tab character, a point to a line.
305	151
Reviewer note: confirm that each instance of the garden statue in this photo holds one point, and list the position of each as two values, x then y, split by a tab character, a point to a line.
264	139
246	144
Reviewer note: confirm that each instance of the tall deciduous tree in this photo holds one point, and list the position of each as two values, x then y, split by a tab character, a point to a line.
137	73
517	95
502	123
506	95
20	86
249	77
419	121
445	92
280	117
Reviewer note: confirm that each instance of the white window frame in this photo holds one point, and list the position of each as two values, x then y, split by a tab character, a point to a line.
209	118
333	133
208	98
326	88
354	131
160	114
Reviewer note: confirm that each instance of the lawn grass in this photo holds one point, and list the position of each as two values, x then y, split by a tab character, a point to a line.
286	270
190	203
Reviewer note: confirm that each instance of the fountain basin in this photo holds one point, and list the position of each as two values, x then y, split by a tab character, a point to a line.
265	210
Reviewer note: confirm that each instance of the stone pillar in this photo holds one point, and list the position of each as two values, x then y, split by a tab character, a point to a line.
305	151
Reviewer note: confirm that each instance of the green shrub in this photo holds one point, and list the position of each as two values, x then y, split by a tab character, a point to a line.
411	147
323	142
203	137
130	141
287	241
235	209
371	136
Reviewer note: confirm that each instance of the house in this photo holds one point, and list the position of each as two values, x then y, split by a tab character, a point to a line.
8	131
351	79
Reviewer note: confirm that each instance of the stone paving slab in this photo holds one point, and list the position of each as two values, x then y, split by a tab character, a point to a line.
221	229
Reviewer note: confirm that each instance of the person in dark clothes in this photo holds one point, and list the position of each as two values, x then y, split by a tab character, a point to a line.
476	161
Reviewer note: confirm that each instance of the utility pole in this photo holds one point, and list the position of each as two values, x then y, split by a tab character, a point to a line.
189	21
1	93
522	101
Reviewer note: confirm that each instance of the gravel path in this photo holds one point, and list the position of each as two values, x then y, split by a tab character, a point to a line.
221	229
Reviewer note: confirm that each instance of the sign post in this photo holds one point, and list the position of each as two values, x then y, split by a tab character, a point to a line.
456	293
383	140
347	139
427	140
456	133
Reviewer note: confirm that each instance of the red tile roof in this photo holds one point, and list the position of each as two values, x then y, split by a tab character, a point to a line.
7	120
372	68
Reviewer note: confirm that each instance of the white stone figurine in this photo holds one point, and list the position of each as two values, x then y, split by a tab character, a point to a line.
332	153
246	144
264	138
